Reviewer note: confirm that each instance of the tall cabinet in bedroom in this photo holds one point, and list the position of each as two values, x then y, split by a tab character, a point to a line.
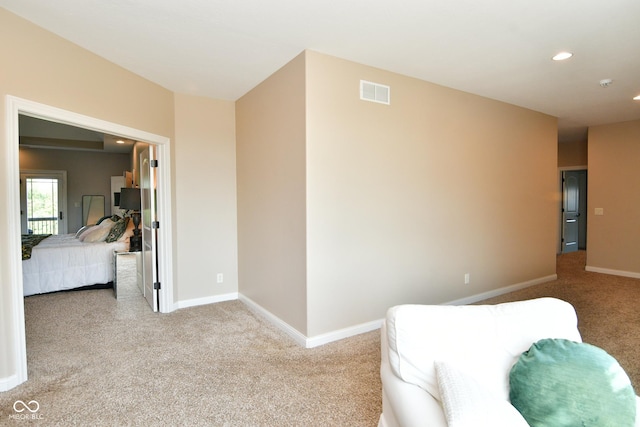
117	182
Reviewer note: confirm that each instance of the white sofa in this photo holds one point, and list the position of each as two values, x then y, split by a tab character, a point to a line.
486	339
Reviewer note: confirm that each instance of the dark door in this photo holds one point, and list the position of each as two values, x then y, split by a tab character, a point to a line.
574	205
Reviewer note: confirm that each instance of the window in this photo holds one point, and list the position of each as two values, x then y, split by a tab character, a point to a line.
42	202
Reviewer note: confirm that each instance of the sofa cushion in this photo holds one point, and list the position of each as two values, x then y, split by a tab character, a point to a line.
565	383
484	340
467	403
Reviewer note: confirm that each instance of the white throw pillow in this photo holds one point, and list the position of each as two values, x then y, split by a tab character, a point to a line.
84	231
98	233
467	403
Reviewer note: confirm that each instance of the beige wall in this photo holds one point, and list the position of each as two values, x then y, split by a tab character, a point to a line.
572	154
205	203
614	180
404	199
41	67
392	204
401	200
270	132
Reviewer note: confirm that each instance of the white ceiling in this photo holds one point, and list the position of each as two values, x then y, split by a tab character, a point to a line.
500	49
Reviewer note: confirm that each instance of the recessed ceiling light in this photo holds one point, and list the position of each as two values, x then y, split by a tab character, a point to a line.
562	56
606	82
119	141
636	98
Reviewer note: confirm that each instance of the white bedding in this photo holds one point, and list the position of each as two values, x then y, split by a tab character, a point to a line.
62	262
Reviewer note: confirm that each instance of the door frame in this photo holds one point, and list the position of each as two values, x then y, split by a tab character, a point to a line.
15	106
560	200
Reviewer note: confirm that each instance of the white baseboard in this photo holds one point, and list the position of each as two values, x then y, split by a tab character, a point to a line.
318	340
297	336
206	300
501	291
351	331
613	272
8	383
303	340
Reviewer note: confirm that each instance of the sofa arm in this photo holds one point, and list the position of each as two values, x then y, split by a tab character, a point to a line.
407	405
404	404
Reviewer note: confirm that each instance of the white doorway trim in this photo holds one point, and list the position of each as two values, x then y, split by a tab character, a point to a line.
16	106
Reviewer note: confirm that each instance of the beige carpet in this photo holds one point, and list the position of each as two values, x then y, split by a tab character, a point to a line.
97	361
608	308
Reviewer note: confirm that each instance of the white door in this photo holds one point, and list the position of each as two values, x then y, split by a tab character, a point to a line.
150	224
43	202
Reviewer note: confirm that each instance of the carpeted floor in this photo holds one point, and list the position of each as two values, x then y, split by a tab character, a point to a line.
94	360
97	361
607	307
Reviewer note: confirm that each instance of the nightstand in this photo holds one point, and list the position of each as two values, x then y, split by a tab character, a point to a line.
125	278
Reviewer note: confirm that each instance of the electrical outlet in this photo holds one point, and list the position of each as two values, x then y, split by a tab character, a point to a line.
220	278
467	278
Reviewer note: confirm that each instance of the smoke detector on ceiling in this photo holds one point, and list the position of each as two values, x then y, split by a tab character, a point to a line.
605	82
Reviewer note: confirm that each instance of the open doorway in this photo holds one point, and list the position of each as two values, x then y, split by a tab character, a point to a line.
573	210
14	108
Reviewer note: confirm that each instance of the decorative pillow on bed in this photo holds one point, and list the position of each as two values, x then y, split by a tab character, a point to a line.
82	230
114	218
561	383
127	233
117	230
97	234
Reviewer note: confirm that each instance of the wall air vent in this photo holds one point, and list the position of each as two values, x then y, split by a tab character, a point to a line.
375	92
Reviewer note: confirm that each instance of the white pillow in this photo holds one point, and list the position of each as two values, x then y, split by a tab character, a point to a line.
97	233
467	403
82	230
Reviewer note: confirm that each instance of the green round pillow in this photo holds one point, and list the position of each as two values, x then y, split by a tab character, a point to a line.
562	383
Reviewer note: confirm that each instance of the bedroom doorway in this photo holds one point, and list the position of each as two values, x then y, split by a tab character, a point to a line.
16	107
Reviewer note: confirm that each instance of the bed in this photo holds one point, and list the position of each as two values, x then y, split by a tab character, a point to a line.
74	261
